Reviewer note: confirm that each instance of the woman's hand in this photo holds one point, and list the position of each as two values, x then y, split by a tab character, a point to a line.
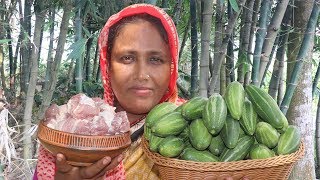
95	171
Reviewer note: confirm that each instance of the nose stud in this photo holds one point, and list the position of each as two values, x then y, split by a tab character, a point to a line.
146	77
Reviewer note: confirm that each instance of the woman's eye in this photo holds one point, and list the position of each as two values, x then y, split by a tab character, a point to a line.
127	59
156	60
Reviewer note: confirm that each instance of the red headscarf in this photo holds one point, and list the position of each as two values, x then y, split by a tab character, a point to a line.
46	161
169	27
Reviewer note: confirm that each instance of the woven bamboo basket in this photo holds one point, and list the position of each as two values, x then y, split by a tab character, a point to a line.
82	150
278	167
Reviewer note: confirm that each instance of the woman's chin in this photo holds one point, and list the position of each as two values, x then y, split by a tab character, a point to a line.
140	108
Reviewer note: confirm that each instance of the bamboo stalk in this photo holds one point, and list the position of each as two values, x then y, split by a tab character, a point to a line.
1	172
223	49
205	47
95	64
177	12
254	20
219	12
278	66
277	74
40	12
270	38
270	60
243	55
57	59
260	36
316	80
230	62
79	61
194	48
317	137
184	39
301	55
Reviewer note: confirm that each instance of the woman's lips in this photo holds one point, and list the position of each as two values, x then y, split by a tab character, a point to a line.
141	91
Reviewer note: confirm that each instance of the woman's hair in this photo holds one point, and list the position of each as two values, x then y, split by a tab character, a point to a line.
115	29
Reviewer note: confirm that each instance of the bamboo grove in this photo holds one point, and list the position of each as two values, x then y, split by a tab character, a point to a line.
48	52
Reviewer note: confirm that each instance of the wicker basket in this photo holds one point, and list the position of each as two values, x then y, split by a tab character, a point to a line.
82	150
278	167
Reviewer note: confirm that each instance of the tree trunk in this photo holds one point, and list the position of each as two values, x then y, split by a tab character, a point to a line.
194	48
47	95
223	49
260	36
299	112
273	29
205	46
40	12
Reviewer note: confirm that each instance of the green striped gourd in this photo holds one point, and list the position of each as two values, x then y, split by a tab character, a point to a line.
147	132
266	107
154	142
171	146
193	108
230	132
248	119
267	135
199	135
289	141
158	111
191	154
260	151
169	124
216	146
240	151
214	113
234	98
184	135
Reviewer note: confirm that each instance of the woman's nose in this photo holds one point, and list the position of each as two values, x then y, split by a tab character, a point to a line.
142	71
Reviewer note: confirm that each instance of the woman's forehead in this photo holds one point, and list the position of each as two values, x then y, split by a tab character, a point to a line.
142	36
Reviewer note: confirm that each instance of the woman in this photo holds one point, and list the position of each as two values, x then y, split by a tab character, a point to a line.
138	59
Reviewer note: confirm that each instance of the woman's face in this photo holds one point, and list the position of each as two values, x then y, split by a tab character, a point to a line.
140	67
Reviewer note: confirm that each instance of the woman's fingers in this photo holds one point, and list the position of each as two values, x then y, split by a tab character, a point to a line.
114	163
94	169
61	164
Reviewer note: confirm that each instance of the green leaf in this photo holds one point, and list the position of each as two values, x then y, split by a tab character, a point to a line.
3	41
153	2
86	31
234	5
78	49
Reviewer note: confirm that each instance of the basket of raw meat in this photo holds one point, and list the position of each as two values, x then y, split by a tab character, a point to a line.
84	130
